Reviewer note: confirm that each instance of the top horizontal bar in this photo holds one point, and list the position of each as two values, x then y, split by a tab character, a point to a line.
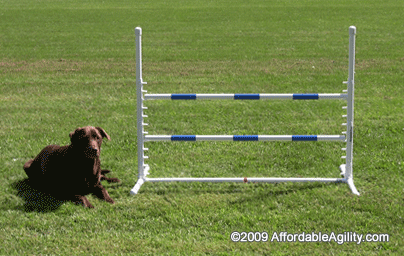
291	96
244	138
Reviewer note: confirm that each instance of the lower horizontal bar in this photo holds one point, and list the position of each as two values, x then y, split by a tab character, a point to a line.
245	180
244	138
263	96
304	137
305	96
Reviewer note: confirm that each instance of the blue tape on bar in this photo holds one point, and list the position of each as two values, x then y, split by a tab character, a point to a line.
304	137
183	96
246	96
183	137
305	96
245	137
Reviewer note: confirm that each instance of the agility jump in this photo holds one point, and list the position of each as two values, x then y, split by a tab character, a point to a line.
348	95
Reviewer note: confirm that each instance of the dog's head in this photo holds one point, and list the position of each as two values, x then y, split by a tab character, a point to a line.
88	140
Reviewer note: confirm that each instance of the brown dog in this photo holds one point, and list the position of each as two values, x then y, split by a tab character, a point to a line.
73	171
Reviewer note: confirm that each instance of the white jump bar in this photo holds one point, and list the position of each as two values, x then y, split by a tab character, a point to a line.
244	138
290	96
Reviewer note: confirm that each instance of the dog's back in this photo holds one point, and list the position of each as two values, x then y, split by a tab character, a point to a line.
62	168
37	168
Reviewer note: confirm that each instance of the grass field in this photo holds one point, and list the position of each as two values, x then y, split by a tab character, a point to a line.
67	64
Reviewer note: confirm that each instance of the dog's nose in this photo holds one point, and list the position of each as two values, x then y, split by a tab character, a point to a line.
94	150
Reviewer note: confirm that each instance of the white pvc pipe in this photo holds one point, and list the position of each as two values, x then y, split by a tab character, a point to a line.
350	109
245	179
231	137
139	99
323	96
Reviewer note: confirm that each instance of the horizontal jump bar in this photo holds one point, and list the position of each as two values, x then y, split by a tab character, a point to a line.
245	96
244	138
245	180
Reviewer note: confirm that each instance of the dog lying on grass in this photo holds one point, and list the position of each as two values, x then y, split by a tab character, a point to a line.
73	171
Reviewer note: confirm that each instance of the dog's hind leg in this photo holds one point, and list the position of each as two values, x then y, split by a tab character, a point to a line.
78	199
28	164
33	172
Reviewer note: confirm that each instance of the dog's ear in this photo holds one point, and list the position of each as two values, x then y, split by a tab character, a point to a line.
72	134
103	133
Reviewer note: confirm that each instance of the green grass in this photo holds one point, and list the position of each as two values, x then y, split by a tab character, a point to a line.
66	64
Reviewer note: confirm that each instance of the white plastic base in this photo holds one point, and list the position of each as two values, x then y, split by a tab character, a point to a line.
349	181
352	186
144	179
140	180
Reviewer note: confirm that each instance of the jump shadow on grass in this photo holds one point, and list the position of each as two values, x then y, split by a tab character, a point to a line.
36	199
263	189
276	192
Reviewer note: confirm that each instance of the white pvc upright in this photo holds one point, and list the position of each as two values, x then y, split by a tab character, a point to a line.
346	169
142	167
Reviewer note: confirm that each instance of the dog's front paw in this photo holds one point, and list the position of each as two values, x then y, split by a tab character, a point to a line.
110	180
103	172
89	205
102	194
108	199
